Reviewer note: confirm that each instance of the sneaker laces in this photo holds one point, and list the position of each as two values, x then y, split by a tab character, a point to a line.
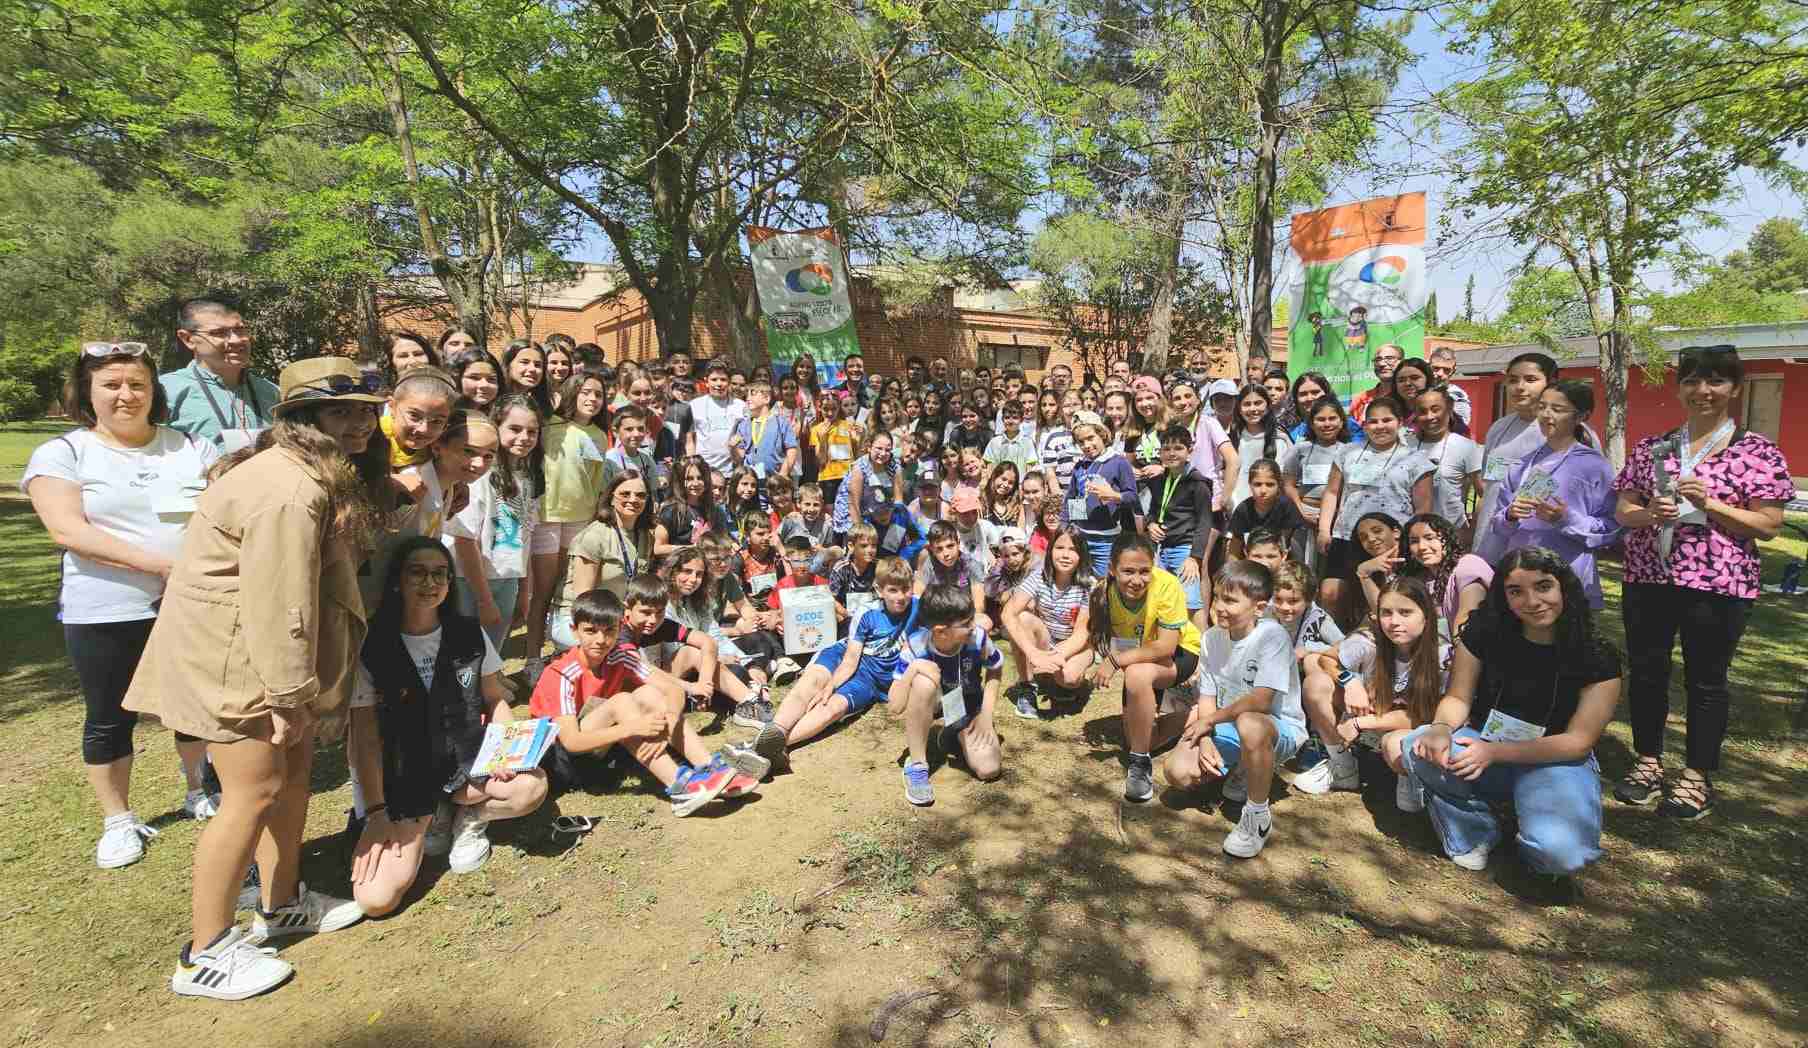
242	954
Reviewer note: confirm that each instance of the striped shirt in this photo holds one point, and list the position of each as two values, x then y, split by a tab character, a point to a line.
1058	608
567	684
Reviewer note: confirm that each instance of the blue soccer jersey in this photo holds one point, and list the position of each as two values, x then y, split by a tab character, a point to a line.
964	666
881	635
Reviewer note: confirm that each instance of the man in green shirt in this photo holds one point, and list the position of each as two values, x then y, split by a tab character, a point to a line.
216	397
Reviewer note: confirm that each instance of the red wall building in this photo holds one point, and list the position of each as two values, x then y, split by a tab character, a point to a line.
1776	373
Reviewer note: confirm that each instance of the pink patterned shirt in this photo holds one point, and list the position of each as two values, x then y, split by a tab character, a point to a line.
1750	469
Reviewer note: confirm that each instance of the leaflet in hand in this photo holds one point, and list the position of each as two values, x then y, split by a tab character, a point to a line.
514	746
1539	487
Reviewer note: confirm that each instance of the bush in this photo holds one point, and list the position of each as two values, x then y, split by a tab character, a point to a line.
19	401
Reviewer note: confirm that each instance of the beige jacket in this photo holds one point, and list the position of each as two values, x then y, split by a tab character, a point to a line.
260	613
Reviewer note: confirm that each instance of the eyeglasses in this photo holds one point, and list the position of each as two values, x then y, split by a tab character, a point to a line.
429	574
101	350
222	334
340	385
636	496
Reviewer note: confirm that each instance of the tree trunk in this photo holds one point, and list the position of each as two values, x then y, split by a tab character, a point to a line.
1159	342
370	324
1275	17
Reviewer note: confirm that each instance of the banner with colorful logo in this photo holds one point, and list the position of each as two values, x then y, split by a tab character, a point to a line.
802	280
1356	279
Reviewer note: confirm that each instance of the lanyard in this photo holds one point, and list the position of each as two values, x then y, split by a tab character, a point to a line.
1366	448
238	407
758	431
1167	496
1688	460
627	554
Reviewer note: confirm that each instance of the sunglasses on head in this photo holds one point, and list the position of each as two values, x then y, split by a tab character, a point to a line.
340	385
101	350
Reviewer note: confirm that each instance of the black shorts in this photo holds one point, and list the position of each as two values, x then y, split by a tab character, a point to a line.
1185	662
1340	560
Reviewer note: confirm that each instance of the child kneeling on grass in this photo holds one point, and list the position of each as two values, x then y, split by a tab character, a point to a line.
1248	716
847	677
953	676
428	680
599	695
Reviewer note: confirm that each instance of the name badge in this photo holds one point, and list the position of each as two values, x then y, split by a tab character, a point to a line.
587	449
1315	474
1120	645
759	470
954	705
859	604
840	452
174	507
1076	508
894	538
761	583
1364	474
1497	467
1504	727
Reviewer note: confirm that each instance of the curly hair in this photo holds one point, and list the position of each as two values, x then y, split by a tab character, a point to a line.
1437	579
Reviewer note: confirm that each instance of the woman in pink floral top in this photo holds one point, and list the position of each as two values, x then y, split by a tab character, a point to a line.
1695	502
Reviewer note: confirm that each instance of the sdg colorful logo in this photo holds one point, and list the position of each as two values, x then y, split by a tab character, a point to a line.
1389	270
1388	280
812	279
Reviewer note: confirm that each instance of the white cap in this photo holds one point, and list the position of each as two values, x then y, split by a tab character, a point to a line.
1224	387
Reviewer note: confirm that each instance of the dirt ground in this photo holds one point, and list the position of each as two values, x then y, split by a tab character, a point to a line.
1040	910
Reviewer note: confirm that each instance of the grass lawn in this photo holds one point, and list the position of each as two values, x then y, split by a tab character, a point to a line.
1039	908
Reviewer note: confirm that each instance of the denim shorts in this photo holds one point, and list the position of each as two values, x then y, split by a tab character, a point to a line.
1288	738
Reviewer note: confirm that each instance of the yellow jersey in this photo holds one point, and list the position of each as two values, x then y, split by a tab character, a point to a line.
1163	607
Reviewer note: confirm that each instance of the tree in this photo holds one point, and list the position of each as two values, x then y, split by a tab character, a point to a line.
1599	137
1102	281
1775	259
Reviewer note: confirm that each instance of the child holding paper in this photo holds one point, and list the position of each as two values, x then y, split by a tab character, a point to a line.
427	674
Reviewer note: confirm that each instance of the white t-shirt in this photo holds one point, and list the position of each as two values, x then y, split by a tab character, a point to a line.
430	506
140	495
1249	452
502	534
714	422
1229	670
1454	457
1356	653
423	651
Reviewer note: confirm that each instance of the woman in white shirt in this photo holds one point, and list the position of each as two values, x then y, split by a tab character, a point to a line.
115	495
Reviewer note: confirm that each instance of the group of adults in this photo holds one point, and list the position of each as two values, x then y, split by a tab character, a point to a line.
222	534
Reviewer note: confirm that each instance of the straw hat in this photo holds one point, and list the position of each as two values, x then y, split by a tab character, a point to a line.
326	379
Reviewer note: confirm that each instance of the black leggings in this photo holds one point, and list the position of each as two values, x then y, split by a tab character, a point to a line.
106	655
1711	625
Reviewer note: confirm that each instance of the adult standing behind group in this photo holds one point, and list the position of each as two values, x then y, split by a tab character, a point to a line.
1697	501
258	634
216	398
112	494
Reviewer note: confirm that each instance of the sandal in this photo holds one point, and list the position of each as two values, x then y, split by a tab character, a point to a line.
1643	784
1688	800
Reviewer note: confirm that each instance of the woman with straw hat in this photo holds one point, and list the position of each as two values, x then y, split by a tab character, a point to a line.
256	641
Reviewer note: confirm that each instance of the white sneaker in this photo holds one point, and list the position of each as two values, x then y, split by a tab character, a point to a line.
470	847
1409	796
1236	786
1250	835
439	832
1474	859
201	805
310	912
122	840
232	969
1338	771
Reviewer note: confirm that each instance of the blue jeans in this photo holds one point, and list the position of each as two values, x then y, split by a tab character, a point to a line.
504	592
1099	548
1559	806
1169	559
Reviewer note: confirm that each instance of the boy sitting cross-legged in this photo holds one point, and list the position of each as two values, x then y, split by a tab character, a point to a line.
599	696
1248	717
847	677
953	677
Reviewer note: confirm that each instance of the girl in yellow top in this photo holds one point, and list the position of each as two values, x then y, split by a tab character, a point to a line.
1139	624
836	442
574	446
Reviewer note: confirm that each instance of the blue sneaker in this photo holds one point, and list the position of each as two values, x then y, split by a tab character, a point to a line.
1024	701
916	784
696	787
